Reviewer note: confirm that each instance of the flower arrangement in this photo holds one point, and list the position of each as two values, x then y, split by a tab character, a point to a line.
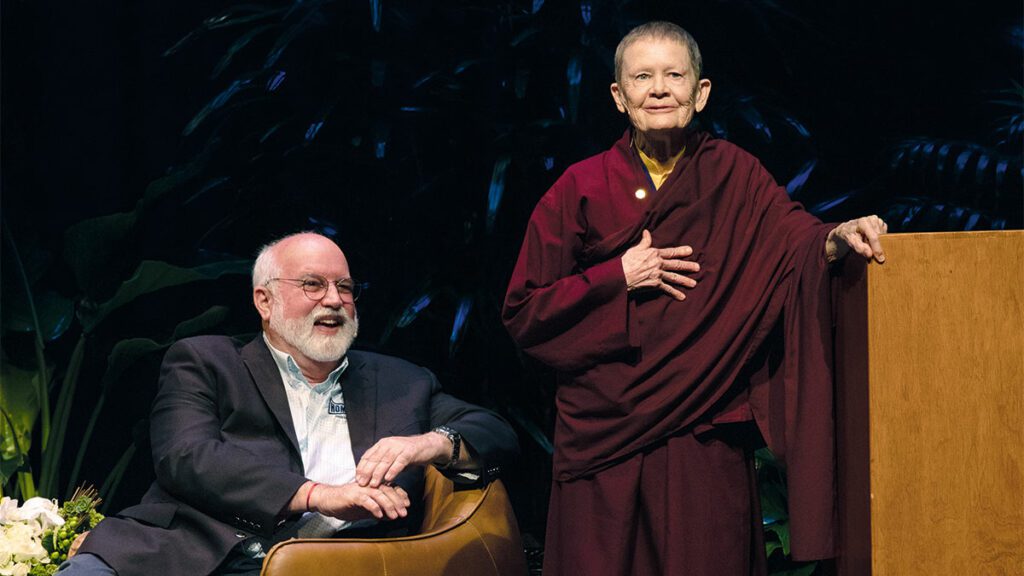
36	536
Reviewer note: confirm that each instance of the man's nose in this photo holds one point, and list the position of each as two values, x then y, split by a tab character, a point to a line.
333	297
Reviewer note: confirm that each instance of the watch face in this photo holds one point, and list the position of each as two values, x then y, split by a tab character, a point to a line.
455	438
451	434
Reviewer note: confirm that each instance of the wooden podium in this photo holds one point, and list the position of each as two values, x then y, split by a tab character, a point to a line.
930	407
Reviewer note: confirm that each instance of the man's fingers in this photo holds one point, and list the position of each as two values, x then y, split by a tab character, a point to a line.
364	470
398	497
371	471
382	462
395	468
353	502
405	495
390	502
387	507
367	502
379	471
390	465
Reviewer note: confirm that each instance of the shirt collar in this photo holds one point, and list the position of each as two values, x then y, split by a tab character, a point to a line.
286	365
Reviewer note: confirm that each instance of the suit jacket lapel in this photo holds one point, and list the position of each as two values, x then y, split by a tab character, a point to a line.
264	372
357	385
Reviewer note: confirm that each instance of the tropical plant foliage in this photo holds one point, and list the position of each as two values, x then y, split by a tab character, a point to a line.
46	317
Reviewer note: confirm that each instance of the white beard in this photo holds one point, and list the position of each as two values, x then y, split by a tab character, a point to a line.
300	333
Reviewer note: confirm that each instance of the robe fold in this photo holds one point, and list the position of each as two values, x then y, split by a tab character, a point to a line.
638	368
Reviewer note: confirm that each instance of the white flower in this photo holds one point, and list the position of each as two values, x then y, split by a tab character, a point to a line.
18	569
8	508
45	512
21	532
20	547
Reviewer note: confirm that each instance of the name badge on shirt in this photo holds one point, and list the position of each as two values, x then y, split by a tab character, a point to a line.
336	405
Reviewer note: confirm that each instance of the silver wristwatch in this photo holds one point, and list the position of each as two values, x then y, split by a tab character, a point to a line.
456	439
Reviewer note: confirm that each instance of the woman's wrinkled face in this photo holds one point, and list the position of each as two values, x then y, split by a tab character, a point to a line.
658	89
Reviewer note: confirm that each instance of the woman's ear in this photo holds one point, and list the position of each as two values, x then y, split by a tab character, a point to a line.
618	97
703	91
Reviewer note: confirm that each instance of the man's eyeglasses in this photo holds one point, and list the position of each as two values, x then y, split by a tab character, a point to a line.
315	287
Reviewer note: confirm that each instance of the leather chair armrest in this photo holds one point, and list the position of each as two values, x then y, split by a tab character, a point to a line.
468	532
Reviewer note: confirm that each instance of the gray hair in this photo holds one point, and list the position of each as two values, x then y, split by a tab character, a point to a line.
659	30
266	267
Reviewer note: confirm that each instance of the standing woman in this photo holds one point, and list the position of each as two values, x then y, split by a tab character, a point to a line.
676	289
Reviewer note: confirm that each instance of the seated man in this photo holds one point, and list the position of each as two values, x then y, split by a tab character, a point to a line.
256	443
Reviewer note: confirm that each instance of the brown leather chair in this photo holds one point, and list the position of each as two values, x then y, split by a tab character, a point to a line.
466	532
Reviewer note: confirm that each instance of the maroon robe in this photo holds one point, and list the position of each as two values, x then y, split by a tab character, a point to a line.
638	369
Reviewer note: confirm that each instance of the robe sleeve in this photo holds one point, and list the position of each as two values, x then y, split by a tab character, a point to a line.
793	403
567	317
789	222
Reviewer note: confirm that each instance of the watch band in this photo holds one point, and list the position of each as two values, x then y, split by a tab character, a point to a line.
456	439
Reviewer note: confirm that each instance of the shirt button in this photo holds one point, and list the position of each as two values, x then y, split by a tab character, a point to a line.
240	534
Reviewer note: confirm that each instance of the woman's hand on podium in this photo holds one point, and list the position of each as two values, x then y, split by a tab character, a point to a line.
860	235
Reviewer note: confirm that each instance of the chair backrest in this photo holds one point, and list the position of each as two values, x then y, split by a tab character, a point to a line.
465	532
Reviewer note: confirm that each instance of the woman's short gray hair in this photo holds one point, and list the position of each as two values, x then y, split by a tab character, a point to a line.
659	30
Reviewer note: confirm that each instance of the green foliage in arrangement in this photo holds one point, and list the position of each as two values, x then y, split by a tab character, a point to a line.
80	515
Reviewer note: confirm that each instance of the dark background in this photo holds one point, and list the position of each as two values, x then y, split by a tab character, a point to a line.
190	133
